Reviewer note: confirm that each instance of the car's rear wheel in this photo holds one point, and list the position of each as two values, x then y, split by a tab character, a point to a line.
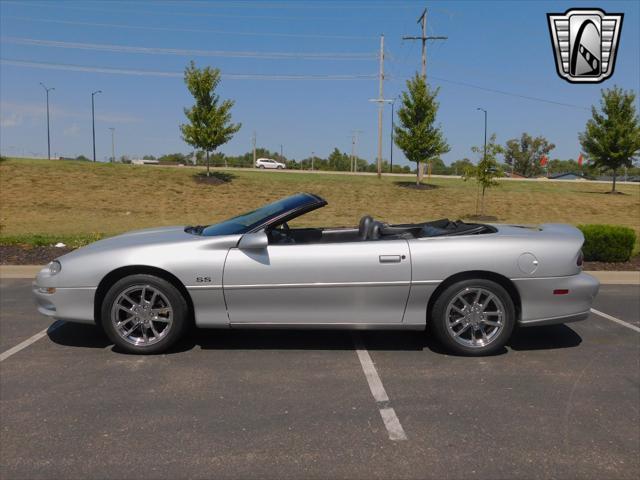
473	317
261	166
144	314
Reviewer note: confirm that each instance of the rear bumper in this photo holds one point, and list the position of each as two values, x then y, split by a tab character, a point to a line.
70	304
540	306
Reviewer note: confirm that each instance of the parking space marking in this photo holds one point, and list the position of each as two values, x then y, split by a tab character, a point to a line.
22	345
617	320
388	414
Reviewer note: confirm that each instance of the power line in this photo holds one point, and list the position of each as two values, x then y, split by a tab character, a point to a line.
256	76
185	52
298	4
192	30
172	13
511	94
155	73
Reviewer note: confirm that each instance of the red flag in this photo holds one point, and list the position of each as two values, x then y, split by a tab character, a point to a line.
543	161
580	160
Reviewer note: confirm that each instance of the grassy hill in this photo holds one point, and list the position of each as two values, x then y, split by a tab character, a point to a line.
80	198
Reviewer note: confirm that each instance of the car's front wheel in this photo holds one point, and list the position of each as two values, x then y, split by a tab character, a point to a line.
144	314
473	317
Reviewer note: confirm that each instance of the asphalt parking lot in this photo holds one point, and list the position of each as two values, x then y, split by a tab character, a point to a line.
559	402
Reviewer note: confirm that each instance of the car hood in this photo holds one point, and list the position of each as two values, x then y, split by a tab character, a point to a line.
139	238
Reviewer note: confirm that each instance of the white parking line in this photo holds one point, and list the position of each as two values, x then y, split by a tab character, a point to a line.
388	414
617	320
30	340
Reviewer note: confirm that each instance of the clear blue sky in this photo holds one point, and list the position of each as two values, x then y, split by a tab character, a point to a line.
493	45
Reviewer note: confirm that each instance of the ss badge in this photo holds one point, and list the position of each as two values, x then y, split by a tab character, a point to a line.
203	279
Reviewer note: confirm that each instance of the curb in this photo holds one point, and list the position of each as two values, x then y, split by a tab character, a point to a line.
616	278
19	271
605	277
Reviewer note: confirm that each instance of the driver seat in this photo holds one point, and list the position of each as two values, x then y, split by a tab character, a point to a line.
364	227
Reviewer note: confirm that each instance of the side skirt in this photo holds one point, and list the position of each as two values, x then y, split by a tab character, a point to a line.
330	326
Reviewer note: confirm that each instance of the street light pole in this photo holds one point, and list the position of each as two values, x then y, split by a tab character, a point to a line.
484	155
392	126
113	145
48	130
93	121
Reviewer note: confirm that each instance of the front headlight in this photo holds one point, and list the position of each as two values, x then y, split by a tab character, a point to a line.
55	267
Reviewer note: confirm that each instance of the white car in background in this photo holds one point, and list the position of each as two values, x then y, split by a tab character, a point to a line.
269	163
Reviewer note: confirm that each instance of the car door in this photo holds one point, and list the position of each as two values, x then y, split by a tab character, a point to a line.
341	283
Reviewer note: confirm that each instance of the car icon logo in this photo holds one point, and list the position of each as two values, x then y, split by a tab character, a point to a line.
585	43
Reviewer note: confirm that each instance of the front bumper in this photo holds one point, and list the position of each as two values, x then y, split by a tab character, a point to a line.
540	306
70	304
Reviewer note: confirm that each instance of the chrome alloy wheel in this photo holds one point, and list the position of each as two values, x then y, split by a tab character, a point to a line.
475	317
142	315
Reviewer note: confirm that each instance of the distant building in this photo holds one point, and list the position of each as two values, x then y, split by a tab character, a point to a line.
144	161
568	176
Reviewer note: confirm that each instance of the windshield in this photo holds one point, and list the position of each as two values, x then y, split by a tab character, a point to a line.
247	221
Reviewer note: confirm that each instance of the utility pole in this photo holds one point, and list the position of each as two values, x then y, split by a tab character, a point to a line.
380	106
47	90
113	145
93	122
253	141
313	156
423	38
281	156
354	142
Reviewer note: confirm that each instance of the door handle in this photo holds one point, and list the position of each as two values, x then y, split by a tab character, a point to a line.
390	258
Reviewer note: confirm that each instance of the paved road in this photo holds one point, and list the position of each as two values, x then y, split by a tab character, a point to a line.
370	174
560	402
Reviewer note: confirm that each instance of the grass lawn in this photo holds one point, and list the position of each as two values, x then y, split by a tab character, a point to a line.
71	198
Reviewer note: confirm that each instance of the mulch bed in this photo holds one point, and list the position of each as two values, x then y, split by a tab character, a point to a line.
414	186
25	255
632	265
208	180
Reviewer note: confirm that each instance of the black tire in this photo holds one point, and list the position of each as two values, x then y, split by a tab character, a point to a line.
167	294
261	166
438	322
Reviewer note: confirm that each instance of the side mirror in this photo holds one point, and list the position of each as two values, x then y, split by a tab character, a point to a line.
253	241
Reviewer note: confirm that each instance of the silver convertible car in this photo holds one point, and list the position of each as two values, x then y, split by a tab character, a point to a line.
469	284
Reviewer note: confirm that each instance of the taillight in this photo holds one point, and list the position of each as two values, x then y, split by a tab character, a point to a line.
580	259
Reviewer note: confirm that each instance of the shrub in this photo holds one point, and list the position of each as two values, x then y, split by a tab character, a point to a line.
607	243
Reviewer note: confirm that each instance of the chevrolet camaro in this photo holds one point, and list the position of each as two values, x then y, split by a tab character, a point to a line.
469	284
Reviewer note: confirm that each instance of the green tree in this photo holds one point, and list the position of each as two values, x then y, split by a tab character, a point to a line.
459	167
611	139
524	154
339	161
438	167
417	134
487	170
209	118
